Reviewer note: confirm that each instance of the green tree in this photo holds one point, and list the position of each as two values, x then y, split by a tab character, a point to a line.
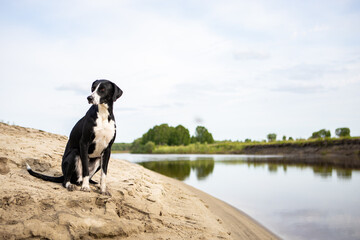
284	138
271	137
323	133
343	132
166	135
159	134
202	135
137	146
148	136
162	134
179	136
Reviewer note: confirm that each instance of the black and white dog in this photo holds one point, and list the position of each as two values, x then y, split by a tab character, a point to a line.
89	146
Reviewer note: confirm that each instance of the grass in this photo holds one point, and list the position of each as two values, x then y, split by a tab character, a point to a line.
116	151
199	148
227	147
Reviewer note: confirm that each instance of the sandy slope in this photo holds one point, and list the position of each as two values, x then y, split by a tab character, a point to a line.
144	204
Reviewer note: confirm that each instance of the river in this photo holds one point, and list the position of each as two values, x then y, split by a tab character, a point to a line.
293	201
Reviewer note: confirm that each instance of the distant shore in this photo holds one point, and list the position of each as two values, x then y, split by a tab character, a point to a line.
343	153
339	152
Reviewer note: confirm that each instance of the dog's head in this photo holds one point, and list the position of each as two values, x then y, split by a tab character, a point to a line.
104	91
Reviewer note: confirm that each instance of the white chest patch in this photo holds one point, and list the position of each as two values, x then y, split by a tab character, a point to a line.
104	132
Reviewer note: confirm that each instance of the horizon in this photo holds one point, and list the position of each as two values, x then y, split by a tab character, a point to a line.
278	137
241	69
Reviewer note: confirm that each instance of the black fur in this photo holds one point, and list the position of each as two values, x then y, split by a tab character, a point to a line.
82	141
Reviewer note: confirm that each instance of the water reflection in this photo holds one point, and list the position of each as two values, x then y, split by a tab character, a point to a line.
319	170
323	171
182	167
344	173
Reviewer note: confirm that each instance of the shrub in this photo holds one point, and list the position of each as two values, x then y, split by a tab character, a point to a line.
342	132
323	133
271	137
149	147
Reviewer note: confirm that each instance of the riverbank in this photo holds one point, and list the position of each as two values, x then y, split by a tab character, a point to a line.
143	205
343	152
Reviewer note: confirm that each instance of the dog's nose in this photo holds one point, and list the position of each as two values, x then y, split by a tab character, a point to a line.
90	99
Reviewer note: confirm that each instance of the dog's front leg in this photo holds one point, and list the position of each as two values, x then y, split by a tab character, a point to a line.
104	165
85	166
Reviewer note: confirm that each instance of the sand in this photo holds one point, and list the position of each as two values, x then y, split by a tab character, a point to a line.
143	205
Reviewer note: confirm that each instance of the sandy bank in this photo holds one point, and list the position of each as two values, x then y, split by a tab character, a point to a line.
343	153
144	204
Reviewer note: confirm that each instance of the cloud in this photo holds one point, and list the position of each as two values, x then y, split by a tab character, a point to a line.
250	55
126	109
300	88
311	78
308	72
80	90
317	29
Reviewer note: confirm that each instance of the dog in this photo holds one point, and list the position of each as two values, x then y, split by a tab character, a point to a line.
89	146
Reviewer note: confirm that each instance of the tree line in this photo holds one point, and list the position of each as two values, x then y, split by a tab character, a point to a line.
172	136
322	133
165	135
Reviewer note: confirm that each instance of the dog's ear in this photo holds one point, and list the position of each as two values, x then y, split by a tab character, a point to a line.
117	92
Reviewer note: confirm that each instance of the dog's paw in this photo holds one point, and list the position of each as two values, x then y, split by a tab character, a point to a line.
85	188
70	187
104	192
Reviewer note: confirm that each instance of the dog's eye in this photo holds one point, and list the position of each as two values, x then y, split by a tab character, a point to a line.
102	90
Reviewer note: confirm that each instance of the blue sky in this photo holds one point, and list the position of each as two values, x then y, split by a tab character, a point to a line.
243	69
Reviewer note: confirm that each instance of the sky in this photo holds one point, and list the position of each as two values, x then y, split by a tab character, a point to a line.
242	69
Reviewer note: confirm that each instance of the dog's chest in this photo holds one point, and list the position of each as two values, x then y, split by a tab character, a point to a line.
104	132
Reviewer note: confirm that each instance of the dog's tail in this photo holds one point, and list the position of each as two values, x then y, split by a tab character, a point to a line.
44	177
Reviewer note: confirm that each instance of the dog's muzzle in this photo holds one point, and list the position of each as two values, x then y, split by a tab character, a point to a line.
90	99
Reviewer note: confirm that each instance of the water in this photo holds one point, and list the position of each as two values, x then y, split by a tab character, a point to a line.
293	201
